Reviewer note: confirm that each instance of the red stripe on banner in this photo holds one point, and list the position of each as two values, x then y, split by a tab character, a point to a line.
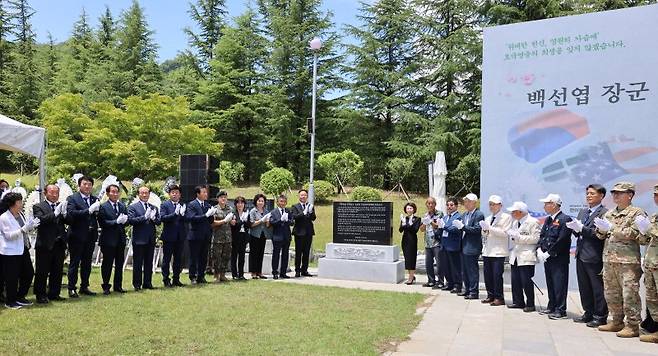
629	154
645	170
645	186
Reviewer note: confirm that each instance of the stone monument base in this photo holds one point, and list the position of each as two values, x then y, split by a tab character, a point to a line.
371	263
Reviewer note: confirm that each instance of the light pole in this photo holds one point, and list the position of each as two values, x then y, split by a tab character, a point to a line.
315	44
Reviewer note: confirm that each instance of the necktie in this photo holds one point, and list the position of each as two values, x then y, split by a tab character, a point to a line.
87	201
145	206
116	209
53	206
549	221
493	218
518	224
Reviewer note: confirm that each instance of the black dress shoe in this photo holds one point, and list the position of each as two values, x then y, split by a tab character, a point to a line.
120	290
446	288
298	274
472	297
106	292
276	276
73	293
137	289
595	323
455	291
177	284
56	298
546	311
284	276
487	301
167	283
201	281
429	285
262	277
306	274
42	300
149	287
583	319
529	309
515	306
86	291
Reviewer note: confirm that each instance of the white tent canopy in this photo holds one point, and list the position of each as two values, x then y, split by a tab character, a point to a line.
31	140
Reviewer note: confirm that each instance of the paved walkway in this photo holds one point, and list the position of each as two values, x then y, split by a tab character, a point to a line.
454	326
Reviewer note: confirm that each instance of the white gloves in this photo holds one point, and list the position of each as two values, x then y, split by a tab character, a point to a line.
642	223
95	207
513	234
228	217
244	216
122	219
177	211
154	214
284	217
183	209
148	213
309	209
603	224
211	212
484	224
59	208
402	219
458	224
542	256
440	223
426	220
31	225
266	217
575	225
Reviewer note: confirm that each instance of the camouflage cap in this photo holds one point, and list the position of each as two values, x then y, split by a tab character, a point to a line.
623	187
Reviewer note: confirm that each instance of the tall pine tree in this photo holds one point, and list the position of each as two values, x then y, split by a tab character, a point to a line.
209	18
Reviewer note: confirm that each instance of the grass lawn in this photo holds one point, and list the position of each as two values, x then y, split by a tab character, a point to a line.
253	317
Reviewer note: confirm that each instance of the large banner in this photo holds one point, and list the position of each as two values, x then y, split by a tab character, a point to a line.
568	102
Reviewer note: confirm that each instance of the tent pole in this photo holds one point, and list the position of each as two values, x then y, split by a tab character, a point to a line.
42	168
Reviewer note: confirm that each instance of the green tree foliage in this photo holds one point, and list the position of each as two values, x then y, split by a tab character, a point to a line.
343	167
25	75
142	139
323	190
363	193
276	181
383	89
209	18
289	26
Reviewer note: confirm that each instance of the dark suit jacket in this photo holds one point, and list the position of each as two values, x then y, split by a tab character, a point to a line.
303	223
200	228
51	228
556	237
280	229
173	225
83	226
410	231
589	248
112	234
453	241
143	228
472	240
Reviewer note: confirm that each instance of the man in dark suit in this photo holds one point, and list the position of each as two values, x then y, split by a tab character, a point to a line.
112	218
280	220
172	215
50	247
200	216
451	247
471	246
81	214
554	245
143	216
303	214
589	258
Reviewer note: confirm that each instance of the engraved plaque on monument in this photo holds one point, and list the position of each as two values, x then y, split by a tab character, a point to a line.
366	223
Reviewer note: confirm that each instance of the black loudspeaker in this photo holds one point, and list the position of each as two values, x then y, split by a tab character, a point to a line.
198	170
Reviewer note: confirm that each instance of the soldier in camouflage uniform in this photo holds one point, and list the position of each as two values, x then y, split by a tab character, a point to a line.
221	237
621	261
649	230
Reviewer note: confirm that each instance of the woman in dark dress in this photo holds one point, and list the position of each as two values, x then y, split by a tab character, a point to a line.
409	225
240	236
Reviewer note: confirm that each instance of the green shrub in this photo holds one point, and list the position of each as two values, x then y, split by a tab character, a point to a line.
363	193
230	173
347	165
276	181
399	169
323	190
